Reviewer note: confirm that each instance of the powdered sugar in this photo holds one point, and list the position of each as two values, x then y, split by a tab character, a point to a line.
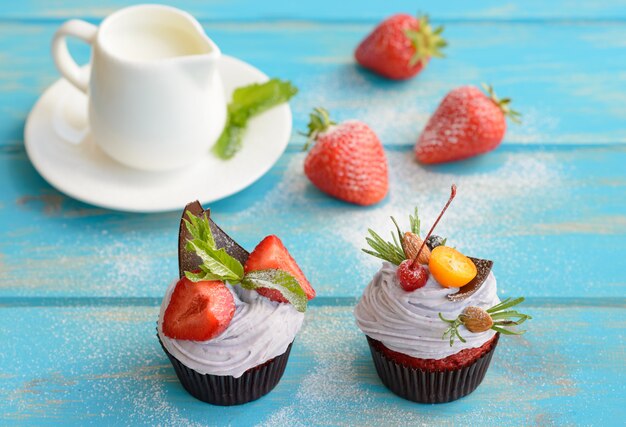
495	193
395	111
342	386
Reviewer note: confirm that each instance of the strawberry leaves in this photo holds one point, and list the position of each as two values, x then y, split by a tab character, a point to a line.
280	280
217	264
426	40
504	104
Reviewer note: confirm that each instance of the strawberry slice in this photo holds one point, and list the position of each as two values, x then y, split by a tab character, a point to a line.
198	311
272	254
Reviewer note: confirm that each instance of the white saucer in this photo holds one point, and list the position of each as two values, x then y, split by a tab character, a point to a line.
60	147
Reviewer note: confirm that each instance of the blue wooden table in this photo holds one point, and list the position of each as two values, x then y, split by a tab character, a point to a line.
80	286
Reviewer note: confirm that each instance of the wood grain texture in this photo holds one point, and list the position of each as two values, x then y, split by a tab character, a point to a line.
104	366
80	285
531	211
349	10
564	99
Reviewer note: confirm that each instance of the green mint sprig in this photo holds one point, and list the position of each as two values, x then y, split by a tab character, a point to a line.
280	280
217	264
247	102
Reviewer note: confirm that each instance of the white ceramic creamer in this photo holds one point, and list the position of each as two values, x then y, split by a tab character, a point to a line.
156	100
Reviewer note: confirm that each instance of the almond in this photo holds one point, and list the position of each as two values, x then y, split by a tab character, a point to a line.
411	244
476	319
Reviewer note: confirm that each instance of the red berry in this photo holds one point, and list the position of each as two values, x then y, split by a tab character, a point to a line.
198	311
347	161
400	46
411	277
467	123
272	254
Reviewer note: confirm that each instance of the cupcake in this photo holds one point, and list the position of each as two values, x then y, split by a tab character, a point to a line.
228	323
431	315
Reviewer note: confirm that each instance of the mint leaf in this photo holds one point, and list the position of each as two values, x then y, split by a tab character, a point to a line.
216	263
256	98
230	140
201	276
280	280
249	101
199	229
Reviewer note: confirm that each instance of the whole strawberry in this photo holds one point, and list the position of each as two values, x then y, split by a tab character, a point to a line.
400	46
467	123
347	161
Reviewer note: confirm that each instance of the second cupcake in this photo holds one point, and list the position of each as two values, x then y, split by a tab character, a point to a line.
228	324
431	315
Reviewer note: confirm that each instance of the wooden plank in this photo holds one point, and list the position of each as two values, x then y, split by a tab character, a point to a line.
104	365
564	99
350	10
553	221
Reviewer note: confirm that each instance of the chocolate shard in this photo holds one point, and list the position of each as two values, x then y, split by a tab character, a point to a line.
483	267
188	261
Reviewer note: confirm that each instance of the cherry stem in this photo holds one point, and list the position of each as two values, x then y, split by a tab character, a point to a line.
452	194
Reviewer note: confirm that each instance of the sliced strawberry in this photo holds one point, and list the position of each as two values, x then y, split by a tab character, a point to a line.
198	311
272	254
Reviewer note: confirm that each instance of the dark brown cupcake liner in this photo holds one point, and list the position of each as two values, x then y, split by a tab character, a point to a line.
227	390
424	386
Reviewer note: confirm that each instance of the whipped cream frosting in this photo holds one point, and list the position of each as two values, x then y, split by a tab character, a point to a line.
408	322
260	330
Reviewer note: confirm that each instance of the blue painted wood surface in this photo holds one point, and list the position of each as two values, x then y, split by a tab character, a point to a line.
80	285
104	365
565	99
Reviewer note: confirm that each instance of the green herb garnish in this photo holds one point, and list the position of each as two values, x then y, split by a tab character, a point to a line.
249	101
391	251
475	319
280	280
217	264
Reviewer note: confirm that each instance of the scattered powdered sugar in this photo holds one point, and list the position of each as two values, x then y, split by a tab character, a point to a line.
92	365
538	127
396	111
343	388
125	263
116	372
491	202
128	261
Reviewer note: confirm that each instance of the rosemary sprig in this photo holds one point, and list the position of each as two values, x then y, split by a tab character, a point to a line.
453	330
414	222
391	250
387	251
475	319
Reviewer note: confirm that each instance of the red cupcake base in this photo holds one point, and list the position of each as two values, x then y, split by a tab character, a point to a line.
429	380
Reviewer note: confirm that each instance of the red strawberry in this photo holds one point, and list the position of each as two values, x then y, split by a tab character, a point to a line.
467	123
198	311
400	46
347	160
272	254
